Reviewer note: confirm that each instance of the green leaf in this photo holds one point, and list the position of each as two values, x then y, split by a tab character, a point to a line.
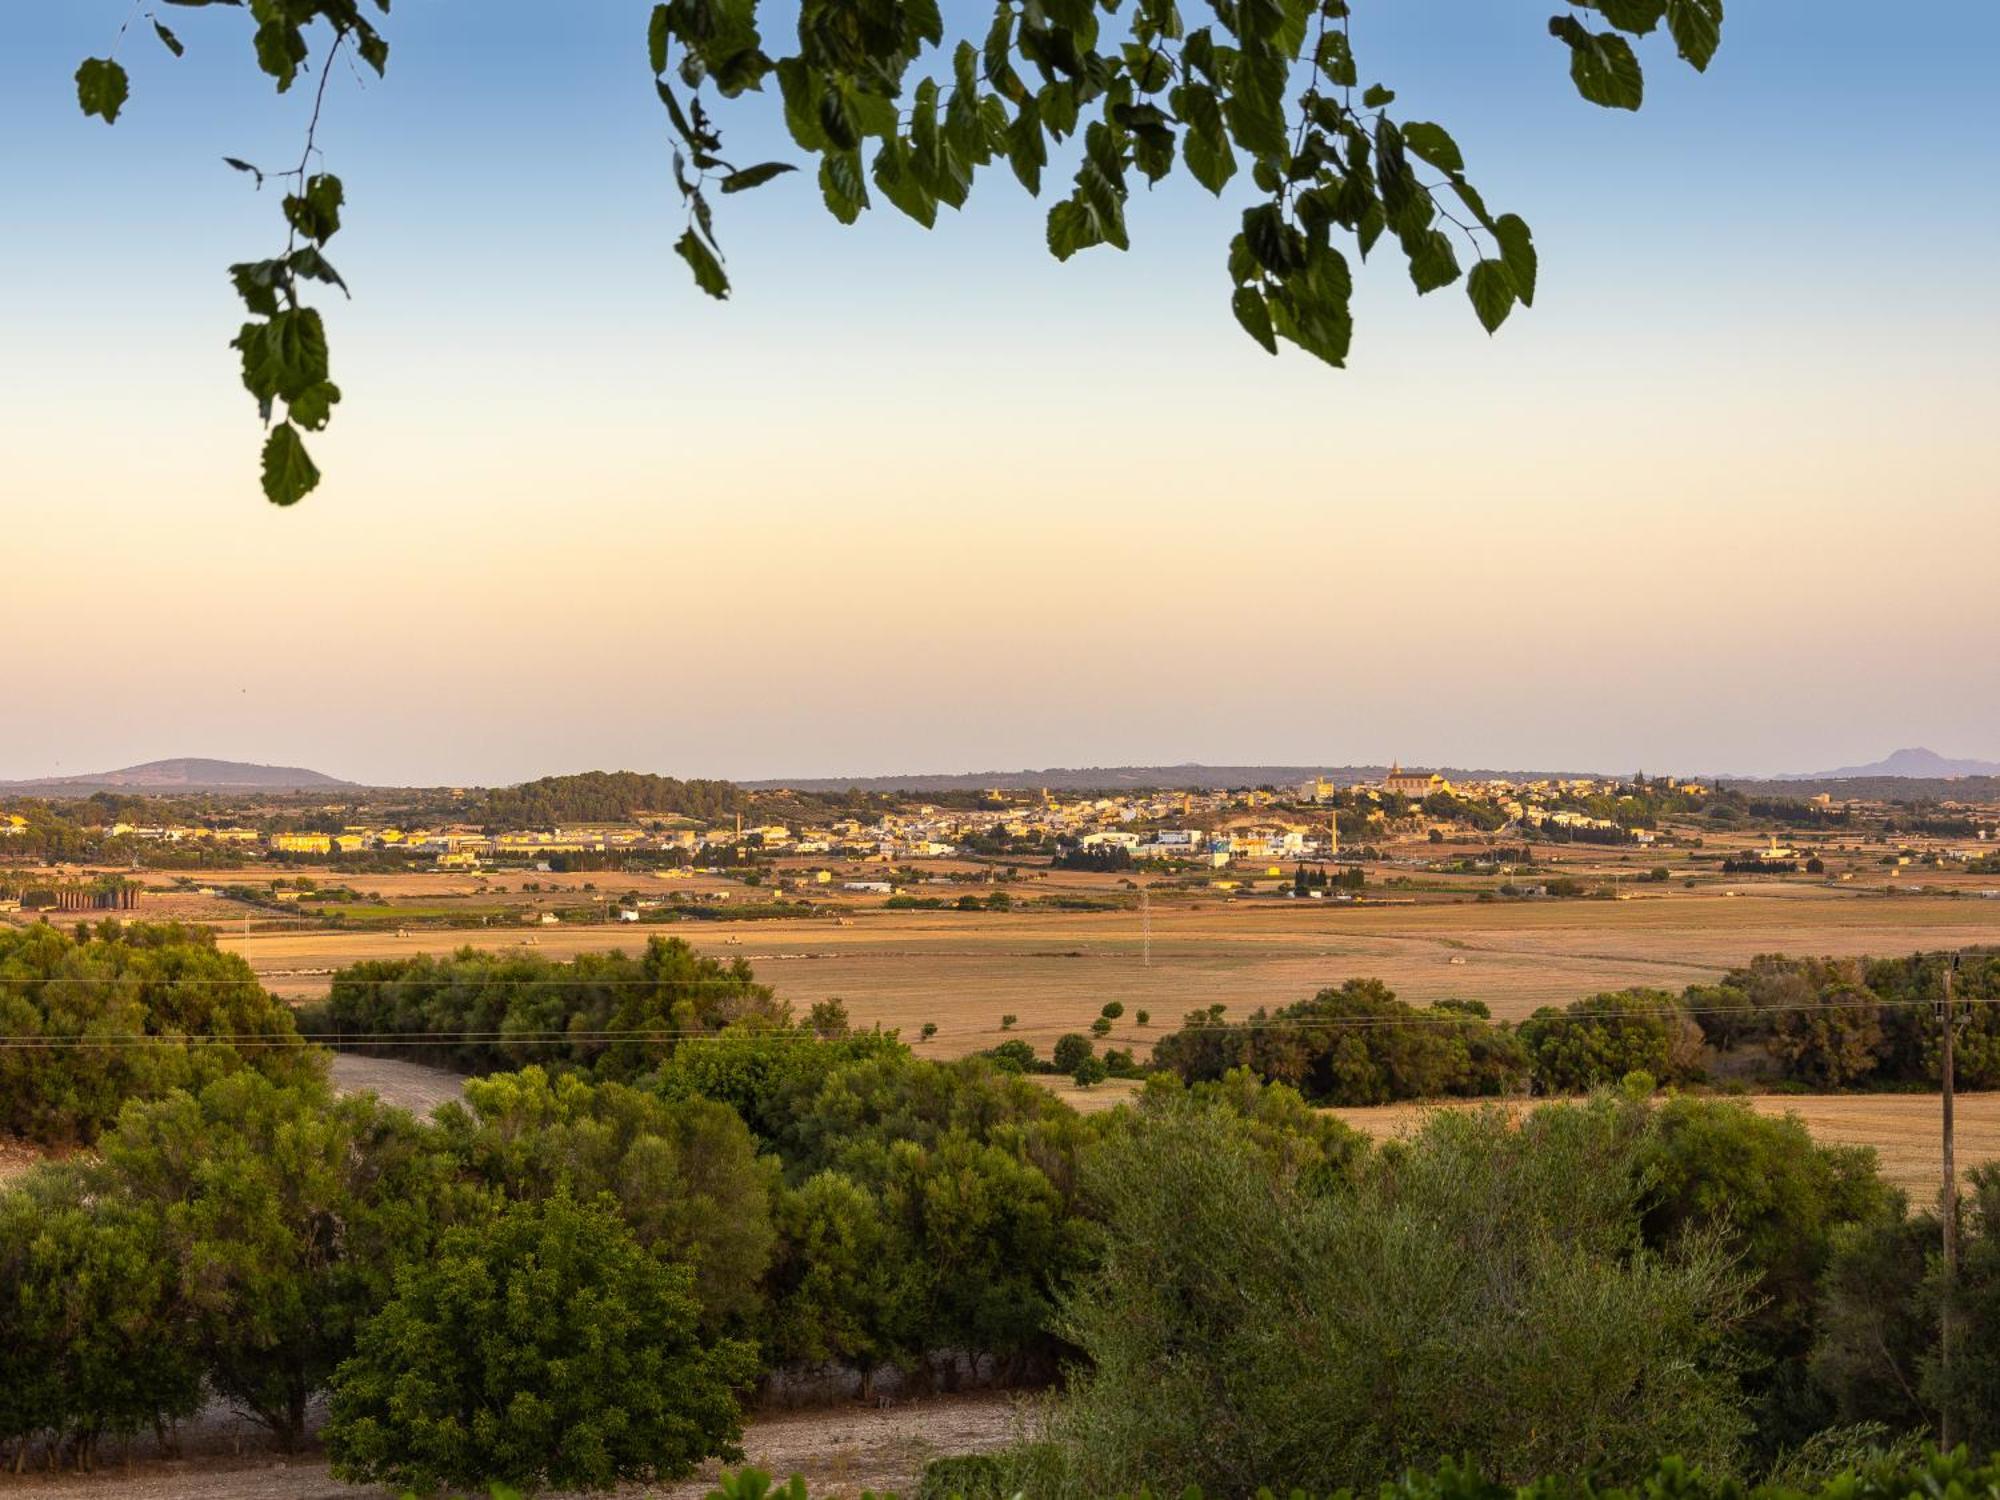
1469	196
256	282
1697	29
1432	263
1059	108
1100	184
102	88
316	212
1251	311
1375	96
1517	255
841	186
1492	292
168	40
315	267
1205	142
243	166
1198	55
1335	58
312	408
283	355
1635	16
1601	64
374	51
1369	229
924	21
898	181
280	50
656	40
289	473
1027	152
749	177
708	272
1434	144
1264	230
1071	229
800	87
1256	107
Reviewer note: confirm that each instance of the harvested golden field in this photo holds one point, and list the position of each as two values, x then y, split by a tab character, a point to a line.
1054	969
1904	1129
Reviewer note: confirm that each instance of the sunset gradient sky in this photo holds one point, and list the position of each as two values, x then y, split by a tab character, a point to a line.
1725	499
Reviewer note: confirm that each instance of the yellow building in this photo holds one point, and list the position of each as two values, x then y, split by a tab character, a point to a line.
301	843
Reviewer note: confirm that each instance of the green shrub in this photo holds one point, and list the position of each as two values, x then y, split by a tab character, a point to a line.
544	1348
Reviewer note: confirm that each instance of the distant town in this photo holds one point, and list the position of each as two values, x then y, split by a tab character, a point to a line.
724	842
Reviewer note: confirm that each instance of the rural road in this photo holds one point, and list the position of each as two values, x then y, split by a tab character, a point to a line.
840	1450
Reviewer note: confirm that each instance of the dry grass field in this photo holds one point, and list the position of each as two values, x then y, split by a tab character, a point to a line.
1054	969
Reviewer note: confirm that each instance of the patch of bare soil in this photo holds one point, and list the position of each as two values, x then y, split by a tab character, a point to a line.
839	1451
16	1157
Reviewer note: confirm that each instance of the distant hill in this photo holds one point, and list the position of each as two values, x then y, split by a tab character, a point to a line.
183	775
1918	764
1897	789
1188	777
604	797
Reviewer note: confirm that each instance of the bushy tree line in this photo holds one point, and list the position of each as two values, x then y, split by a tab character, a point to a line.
613	1014
1357	1044
1820	1023
119	1011
1857	1023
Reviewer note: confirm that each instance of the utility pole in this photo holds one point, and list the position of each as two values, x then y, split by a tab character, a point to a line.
1948	1213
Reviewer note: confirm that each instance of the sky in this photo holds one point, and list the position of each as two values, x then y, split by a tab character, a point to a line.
1725	499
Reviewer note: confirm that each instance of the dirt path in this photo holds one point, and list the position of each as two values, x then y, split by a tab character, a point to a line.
840	1451
415	1087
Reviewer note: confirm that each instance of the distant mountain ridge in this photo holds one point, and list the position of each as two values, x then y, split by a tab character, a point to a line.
1190	776
1916	763
185	774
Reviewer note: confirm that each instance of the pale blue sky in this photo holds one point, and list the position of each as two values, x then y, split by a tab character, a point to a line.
935	501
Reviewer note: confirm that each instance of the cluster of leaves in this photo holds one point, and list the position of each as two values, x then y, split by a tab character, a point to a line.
1139	99
1271	86
284	348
